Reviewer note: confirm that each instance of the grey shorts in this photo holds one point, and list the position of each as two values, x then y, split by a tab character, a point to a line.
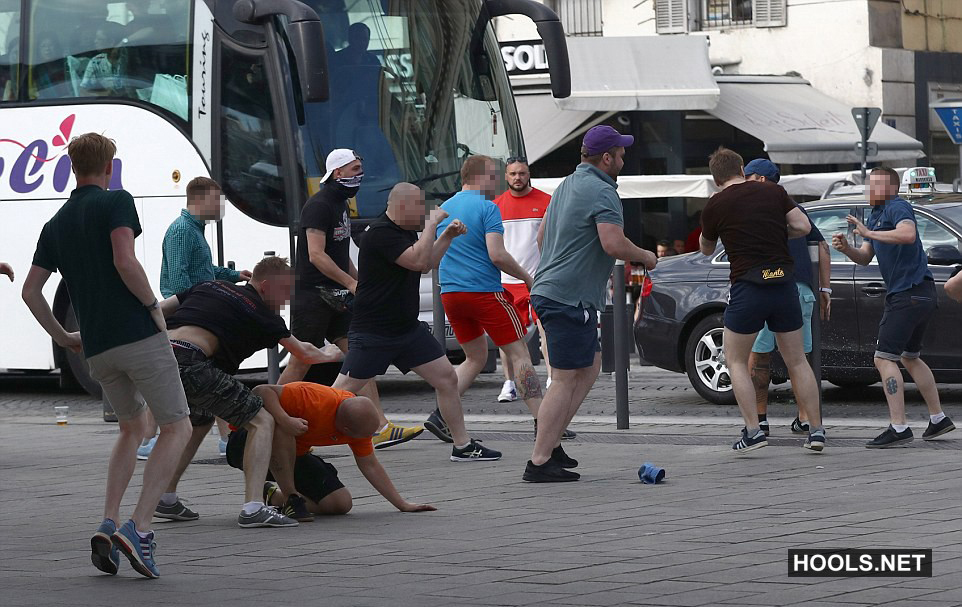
211	391
144	369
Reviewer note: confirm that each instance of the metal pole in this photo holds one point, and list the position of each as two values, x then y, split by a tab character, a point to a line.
864	143
621	345
273	354
813	246
438	309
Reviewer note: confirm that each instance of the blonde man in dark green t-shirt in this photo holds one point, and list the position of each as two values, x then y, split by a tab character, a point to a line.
123	336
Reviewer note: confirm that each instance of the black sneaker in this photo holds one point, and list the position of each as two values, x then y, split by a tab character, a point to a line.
296	508
175	512
798	427
548	472
816	441
436	425
563	459
750	443
474	452
566	435
763	424
938	429
890	438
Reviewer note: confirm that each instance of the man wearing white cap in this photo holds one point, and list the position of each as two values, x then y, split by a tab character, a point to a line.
326	279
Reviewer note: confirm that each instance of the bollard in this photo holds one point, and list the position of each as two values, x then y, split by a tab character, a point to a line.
813	246
438	310
621	330
273	354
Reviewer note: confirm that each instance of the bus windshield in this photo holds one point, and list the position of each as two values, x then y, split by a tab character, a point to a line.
414	90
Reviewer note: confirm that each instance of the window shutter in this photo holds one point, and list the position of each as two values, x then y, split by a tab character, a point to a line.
671	16
770	13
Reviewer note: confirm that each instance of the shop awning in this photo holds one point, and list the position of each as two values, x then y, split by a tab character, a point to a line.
646	73
547	127
800	125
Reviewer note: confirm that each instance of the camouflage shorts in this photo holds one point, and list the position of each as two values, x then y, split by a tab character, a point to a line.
212	392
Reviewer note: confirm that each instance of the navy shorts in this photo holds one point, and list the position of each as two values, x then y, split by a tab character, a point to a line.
903	324
314	478
750	306
571	332
369	355
313	321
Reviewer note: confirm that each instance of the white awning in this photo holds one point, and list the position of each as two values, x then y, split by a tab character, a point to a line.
800	125
546	127
702	186
647	73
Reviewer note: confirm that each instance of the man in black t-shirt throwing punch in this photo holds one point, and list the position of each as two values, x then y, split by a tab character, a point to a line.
385	329
213	327
326	279
754	221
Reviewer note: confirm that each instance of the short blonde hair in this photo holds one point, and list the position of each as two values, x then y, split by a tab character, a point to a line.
201	185
270	266
90	153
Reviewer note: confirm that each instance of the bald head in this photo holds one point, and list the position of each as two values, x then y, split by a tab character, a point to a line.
405	206
357	417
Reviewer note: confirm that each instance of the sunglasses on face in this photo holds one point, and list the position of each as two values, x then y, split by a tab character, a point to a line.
514	159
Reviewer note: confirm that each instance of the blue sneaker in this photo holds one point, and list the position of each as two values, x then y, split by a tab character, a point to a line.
102	553
138	550
222	447
143	451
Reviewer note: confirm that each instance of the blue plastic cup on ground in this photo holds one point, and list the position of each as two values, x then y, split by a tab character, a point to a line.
651	474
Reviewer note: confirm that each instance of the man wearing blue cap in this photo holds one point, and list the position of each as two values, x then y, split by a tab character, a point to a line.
759	362
581	235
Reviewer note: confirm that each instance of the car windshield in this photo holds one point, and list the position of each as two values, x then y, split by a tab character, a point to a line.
414	90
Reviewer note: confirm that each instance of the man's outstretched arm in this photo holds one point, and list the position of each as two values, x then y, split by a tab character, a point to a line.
375	473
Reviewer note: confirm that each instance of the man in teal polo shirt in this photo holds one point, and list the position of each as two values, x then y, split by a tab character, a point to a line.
581	235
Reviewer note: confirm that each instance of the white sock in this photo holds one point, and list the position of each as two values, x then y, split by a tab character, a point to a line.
464	446
143	535
382	428
900	427
252	507
937	417
168	499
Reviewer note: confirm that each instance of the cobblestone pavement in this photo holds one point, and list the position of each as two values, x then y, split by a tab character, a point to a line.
715	533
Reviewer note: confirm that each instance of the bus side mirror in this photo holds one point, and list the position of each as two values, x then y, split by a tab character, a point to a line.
307	42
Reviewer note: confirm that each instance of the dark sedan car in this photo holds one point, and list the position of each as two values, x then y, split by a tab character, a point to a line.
680	325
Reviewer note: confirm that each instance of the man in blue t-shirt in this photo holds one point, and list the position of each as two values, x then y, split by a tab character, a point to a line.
475	302
893	237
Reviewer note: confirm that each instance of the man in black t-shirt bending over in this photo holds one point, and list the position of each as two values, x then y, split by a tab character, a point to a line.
754	221
385	329
213	327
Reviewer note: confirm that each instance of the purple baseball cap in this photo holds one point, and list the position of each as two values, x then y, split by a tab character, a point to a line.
601	138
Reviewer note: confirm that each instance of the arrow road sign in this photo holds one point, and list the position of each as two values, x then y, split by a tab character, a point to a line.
949	112
865	119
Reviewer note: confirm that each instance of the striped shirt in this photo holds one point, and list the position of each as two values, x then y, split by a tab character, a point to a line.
187	257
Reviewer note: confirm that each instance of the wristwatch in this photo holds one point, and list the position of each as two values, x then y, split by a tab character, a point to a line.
825	290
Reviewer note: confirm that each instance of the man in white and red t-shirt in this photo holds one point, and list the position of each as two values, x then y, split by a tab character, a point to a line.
522	210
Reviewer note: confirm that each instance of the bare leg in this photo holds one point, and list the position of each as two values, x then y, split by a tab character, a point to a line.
737	348
568	390
507	365
370	388
160	467
925	382
334	503
257	454
151	430
442	377
759	365
222	428
526	379
295	371
122	463
544	348
283	454
893	388
792	349
190	450
476	355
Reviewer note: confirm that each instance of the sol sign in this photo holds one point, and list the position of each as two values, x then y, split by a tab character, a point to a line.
524	57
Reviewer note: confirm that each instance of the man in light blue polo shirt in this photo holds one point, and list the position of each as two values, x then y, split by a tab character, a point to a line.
581	235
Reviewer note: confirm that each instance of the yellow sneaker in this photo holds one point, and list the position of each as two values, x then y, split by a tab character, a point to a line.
395	435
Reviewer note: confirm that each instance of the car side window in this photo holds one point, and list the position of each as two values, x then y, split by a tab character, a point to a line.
831	221
934	233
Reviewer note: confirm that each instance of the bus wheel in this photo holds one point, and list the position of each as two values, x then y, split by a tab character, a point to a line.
74	373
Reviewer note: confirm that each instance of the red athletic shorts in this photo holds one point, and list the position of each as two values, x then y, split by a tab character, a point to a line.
522	302
473	314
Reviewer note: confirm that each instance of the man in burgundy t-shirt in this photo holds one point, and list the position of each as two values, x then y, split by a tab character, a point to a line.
754	221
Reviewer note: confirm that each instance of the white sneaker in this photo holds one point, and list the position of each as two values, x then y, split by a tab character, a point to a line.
508	393
547	384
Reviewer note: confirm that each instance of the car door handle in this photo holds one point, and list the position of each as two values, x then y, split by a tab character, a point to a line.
873	290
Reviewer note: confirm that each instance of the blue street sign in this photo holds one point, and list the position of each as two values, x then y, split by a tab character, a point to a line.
950	113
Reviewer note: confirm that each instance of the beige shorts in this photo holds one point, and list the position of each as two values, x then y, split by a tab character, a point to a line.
144	369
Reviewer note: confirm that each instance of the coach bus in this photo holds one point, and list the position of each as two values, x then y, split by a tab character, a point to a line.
253	93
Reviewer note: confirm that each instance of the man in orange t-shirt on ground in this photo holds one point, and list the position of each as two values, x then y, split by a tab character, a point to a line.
334	417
